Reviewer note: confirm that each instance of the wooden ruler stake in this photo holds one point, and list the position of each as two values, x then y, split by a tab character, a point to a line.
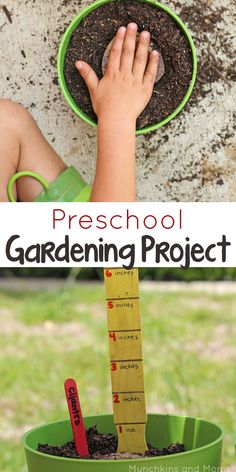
126	361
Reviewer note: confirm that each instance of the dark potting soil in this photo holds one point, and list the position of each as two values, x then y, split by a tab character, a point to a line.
104	446
94	33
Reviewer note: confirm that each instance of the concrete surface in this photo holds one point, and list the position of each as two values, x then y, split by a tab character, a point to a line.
193	158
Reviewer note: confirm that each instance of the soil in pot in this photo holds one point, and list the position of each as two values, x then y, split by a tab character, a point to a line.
92	36
104	446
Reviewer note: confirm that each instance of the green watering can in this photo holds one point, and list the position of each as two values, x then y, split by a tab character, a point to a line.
68	187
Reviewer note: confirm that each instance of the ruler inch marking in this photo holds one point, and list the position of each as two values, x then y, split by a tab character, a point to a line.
121	298
127	360
123	330
126	393
133	422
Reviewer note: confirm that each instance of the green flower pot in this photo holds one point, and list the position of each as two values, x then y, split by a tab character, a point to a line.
63	49
203	442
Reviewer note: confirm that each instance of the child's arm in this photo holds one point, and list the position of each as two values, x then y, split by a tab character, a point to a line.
24	148
118	99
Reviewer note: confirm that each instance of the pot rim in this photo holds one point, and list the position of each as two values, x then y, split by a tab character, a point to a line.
65	41
110	461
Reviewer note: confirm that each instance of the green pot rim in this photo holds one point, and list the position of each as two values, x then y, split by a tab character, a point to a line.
65	41
148	459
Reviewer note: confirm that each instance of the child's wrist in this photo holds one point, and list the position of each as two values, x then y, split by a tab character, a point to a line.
117	119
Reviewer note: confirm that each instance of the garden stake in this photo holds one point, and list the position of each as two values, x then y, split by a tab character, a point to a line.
76	418
125	345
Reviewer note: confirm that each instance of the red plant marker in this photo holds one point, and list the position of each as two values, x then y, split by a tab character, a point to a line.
76	418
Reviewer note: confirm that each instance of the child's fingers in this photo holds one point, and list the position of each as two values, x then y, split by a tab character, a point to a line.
88	75
115	55
151	71
141	56
128	51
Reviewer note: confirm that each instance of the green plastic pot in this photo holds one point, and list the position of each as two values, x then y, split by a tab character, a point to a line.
203	441
63	49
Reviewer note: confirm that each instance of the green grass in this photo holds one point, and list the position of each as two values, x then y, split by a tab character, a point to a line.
189	352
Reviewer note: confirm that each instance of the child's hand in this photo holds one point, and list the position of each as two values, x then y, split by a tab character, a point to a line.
127	85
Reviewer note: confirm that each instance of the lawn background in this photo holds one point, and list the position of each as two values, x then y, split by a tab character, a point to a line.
48	335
